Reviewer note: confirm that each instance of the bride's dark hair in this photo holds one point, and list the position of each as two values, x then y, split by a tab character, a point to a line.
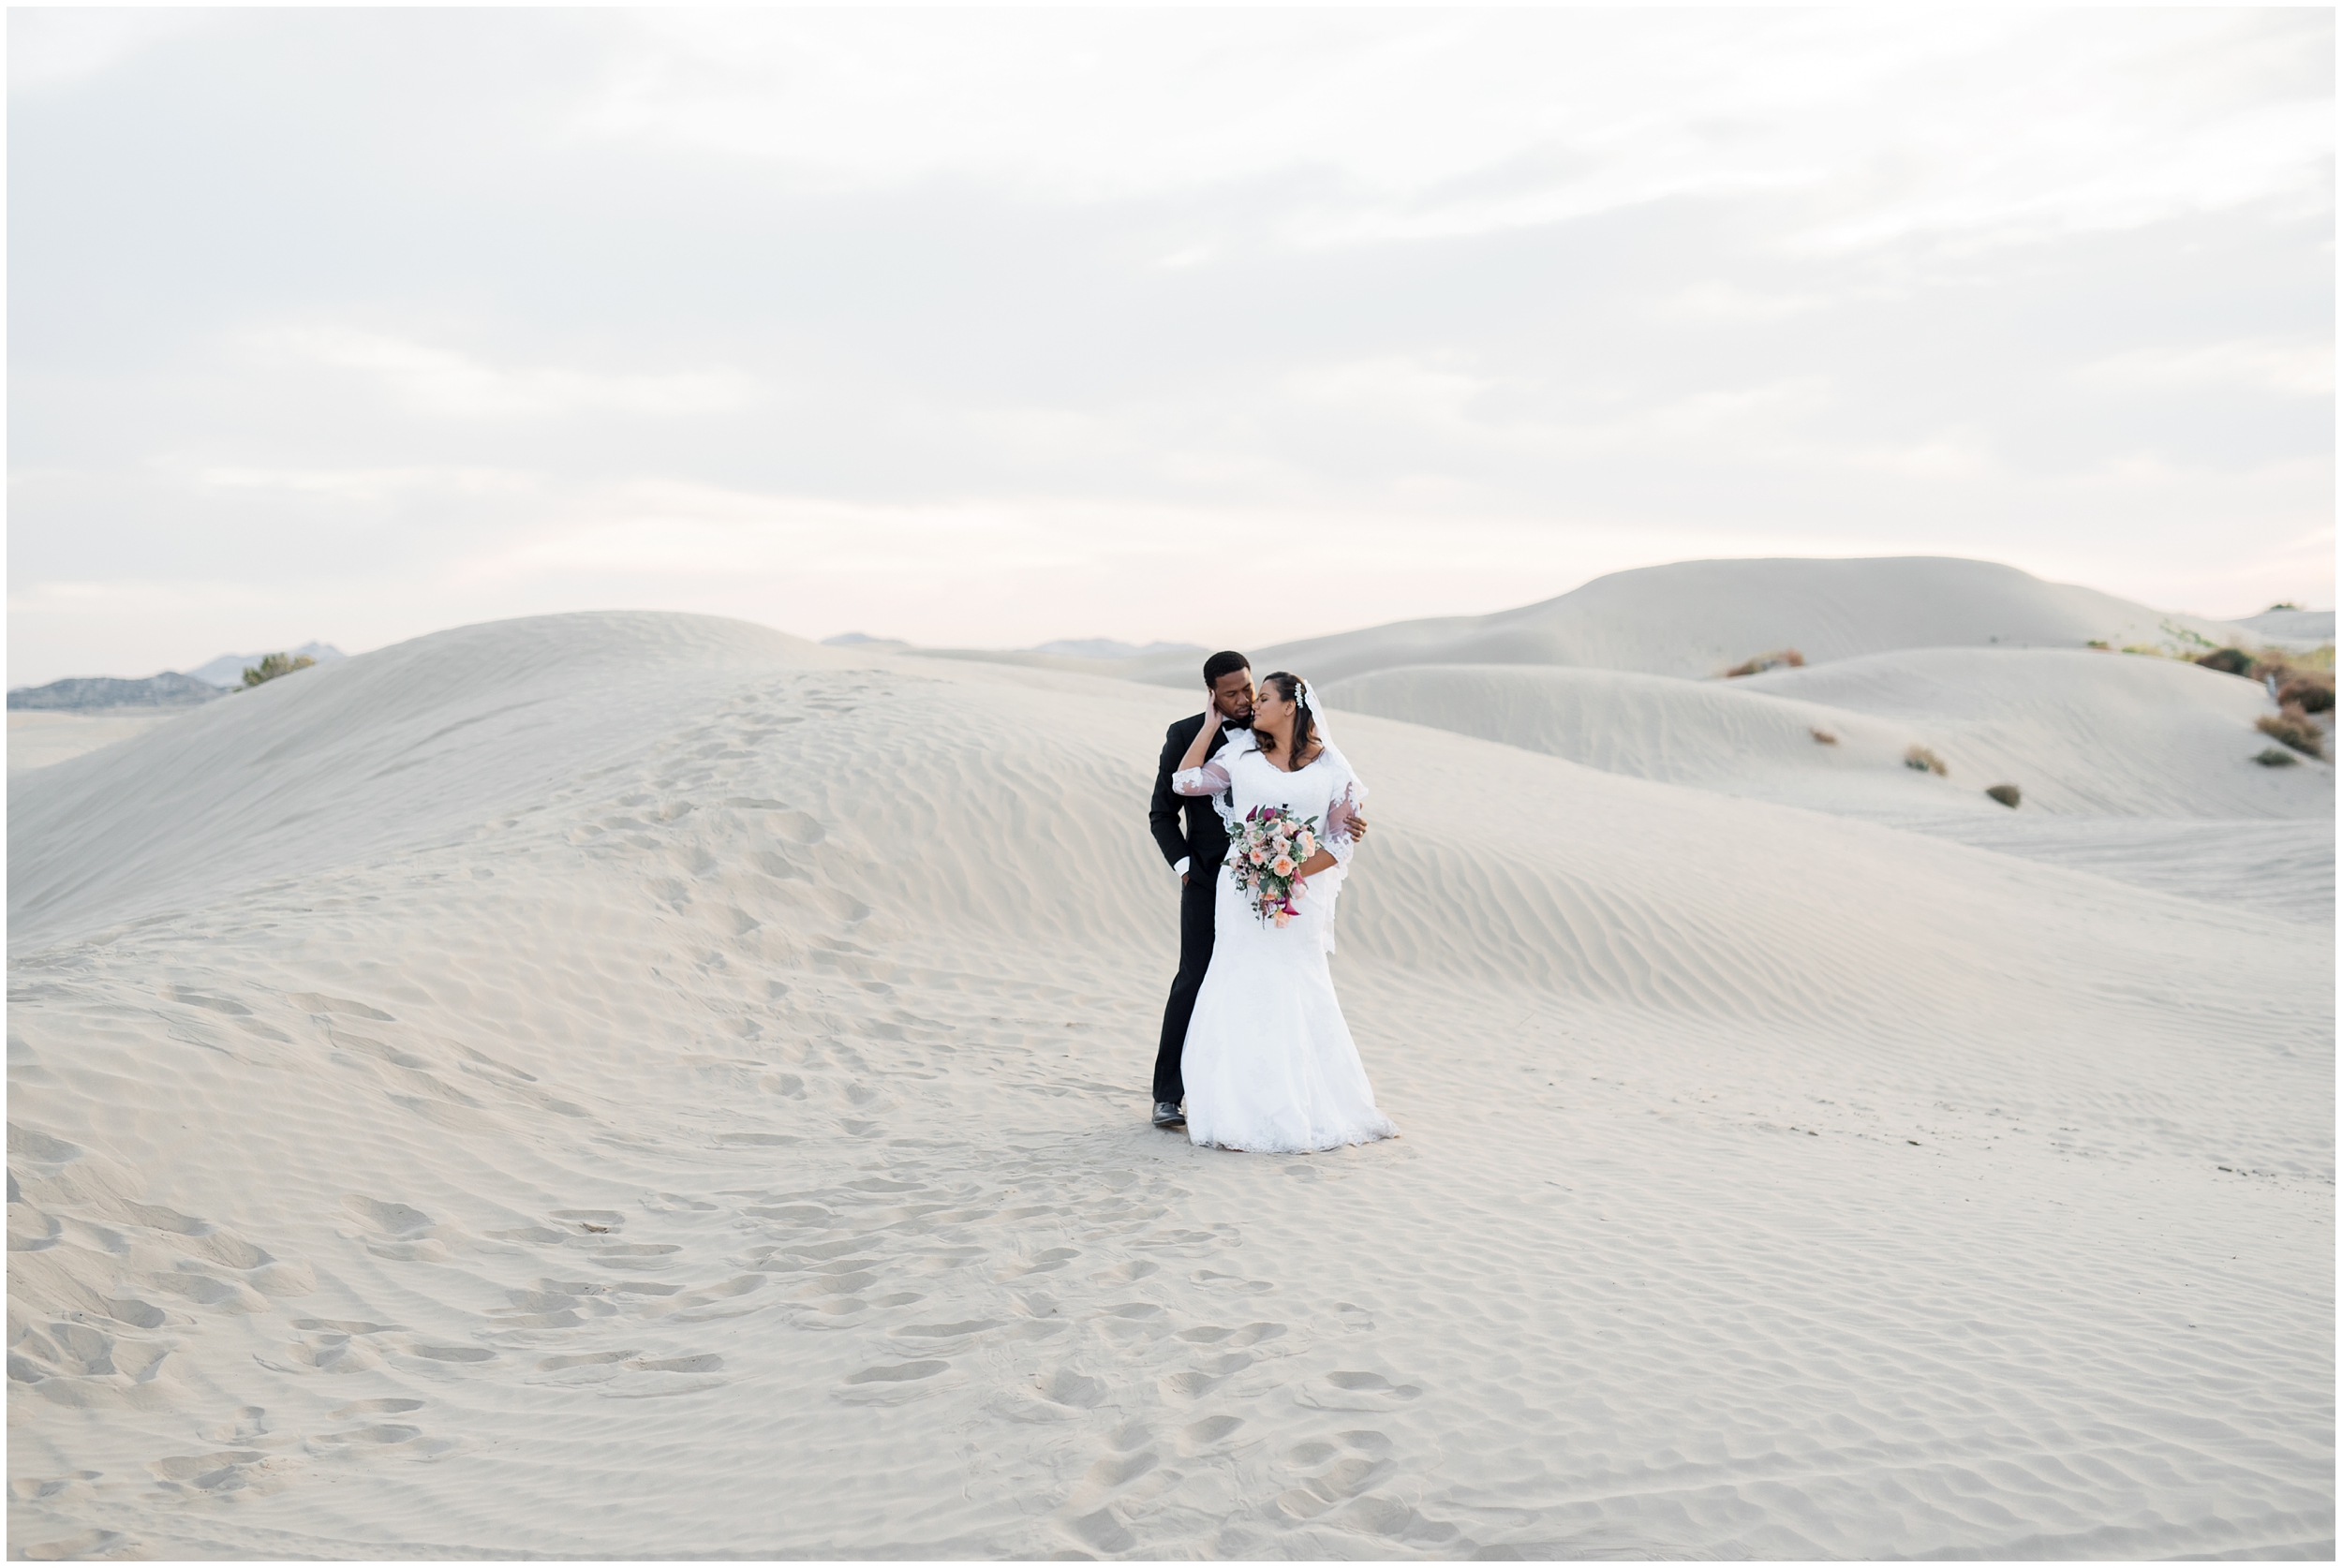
1289	687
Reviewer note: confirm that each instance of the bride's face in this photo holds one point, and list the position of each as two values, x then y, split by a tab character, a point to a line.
1270	708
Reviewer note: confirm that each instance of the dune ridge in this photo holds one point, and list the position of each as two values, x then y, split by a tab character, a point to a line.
1700	618
642	1084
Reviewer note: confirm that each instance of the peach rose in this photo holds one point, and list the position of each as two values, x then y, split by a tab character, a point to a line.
1283	866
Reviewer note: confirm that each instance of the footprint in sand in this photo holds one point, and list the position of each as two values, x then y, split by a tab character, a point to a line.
1199	1437
1070	1389
1235	1339
73	1548
1359	1391
895	1382
1358	1461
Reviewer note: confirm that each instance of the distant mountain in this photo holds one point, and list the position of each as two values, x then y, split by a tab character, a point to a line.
1106	647
168	689
227	669
862	639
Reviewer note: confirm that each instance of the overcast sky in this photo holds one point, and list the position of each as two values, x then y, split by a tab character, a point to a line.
1218	326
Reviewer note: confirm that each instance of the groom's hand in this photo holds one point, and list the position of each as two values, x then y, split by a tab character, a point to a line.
1357	825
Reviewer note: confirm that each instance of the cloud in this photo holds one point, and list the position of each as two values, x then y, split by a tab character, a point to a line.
447	384
365	485
2291	369
52	46
1984	126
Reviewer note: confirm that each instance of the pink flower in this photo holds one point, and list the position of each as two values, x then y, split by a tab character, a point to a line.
1309	845
1259	857
1283	866
1282	916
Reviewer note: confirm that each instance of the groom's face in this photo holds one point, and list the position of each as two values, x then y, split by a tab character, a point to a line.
1232	692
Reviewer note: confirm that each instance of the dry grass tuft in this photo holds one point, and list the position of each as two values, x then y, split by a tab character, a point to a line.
2276	757
1779	658
2311	691
2302	680
1923	759
2296	729
1821	735
2008	794
2228	661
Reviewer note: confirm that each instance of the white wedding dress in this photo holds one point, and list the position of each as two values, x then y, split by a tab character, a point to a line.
1269	1065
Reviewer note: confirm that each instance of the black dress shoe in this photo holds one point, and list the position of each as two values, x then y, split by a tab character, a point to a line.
1168	1114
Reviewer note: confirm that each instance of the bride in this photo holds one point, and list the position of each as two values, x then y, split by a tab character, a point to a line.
1269	1065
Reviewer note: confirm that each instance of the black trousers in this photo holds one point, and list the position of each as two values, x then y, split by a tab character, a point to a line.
1195	913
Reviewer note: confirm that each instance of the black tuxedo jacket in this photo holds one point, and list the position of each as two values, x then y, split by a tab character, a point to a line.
1202	838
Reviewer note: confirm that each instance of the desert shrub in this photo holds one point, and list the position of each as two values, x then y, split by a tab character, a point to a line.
2099	643
2296	729
2281	604
275	664
2008	794
2276	757
2306	679
2228	661
1779	658
1925	760
2311	694
1821	736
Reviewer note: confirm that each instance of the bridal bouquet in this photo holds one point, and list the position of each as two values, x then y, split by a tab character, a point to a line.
1266	851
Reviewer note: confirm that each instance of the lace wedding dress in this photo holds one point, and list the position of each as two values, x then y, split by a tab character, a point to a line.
1269	1065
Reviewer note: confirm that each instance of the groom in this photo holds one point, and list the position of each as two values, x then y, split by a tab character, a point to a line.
1196	854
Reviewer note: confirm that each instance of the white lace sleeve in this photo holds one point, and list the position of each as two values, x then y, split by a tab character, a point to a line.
1214	778
1210	780
1349	794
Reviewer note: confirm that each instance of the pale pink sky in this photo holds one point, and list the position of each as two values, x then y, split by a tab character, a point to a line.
1218	326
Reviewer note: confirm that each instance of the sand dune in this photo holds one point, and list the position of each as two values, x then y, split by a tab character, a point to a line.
2301	628
2092	733
1698	618
646	1086
2081	733
2146	762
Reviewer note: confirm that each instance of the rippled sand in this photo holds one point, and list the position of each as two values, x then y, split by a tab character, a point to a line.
642	1084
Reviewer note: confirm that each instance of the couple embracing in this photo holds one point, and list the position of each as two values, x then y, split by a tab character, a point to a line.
1257	811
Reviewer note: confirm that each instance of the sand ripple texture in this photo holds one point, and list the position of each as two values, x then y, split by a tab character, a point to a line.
643	1085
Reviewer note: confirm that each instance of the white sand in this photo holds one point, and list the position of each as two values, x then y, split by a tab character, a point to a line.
37	738
643	1084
